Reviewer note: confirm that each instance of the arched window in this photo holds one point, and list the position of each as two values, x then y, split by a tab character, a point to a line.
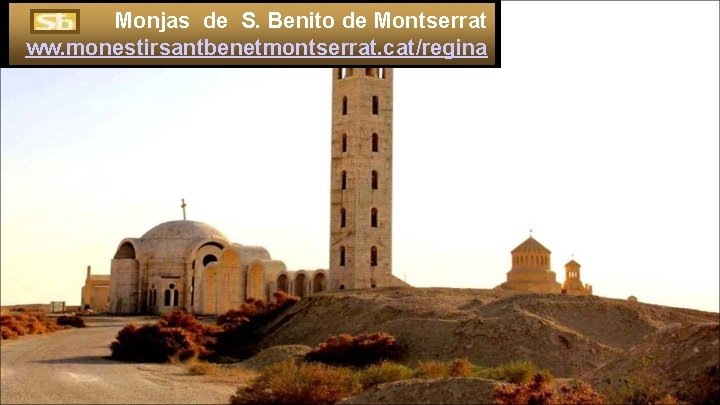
342	255
343	180
375	142
374	180
342	286
342	217
345	106
209	259
373	218
167	297
375	105
175	298
344	143
373	256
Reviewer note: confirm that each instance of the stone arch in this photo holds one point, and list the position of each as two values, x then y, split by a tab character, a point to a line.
319	282
228	293
256	280
283	283
210	289
299	285
125	251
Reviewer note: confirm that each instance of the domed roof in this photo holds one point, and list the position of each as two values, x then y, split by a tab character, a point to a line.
183	230
572	263
175	239
530	246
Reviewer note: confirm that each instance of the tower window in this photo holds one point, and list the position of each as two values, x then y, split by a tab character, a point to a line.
368	72
375	105
343	180
344	105
342	255
374	180
167	297
375	142
373	218
342	217
344	143
373	256
382	73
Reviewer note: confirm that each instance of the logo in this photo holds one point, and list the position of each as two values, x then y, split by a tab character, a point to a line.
58	21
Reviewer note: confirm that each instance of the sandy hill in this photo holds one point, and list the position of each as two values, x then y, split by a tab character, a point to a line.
569	335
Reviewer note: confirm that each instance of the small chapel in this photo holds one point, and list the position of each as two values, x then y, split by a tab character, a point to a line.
530	272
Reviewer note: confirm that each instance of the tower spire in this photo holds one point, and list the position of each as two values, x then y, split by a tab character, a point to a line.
183	205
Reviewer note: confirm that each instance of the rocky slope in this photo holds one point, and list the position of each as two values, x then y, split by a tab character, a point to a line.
571	336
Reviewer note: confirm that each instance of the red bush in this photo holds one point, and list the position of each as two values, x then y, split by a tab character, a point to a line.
359	350
542	390
15	325
153	343
240	336
74	321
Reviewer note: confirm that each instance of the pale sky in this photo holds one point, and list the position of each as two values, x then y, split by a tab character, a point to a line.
600	132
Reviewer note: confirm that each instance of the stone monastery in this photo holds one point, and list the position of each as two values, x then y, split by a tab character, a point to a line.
192	266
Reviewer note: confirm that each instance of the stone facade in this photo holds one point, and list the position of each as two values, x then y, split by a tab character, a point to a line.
573	285
192	266
361	179
95	294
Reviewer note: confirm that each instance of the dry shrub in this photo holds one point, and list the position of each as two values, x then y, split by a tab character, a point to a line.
641	391
383	373
154	344
432	369
460	368
14	325
288	383
542	390
74	321
177	336
517	372
7	332
360	350
240	334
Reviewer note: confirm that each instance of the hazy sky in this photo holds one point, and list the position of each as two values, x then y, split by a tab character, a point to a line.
600	132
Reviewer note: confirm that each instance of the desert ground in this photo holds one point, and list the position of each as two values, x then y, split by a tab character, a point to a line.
70	367
600	340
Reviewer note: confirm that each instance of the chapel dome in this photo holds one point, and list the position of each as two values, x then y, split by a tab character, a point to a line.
183	230
174	239
530	246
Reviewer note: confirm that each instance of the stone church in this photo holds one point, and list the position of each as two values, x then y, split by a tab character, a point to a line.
192	266
530	272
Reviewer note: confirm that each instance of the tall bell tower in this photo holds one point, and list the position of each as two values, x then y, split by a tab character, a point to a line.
361	179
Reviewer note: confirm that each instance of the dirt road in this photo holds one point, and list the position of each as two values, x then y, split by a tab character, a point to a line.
71	367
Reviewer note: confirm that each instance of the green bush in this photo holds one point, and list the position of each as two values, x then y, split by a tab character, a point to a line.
517	372
286	383
383	373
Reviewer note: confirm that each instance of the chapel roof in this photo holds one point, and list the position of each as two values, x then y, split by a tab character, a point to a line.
189	230
530	246
572	263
